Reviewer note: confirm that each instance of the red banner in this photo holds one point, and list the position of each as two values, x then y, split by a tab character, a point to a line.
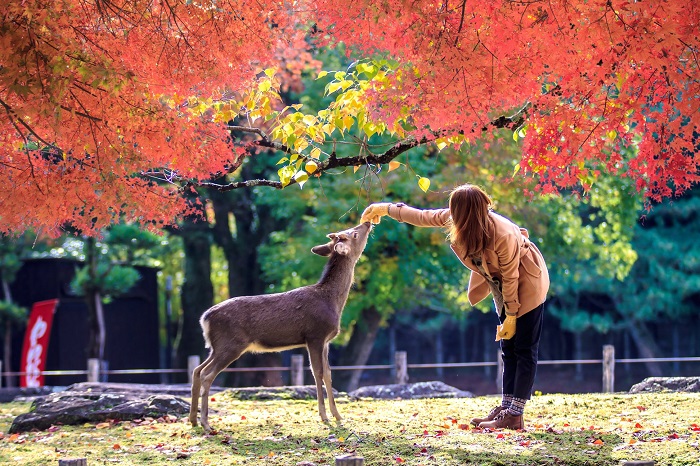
36	343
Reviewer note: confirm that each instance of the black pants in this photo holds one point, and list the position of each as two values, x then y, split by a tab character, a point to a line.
520	354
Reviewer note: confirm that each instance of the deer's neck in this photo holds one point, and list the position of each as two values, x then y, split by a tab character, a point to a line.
337	278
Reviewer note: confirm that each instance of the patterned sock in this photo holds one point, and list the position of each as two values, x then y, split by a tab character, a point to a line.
517	406
506	401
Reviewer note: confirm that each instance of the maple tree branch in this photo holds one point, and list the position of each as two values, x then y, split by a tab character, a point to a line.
241	184
511	122
461	22
264	141
84	114
14	119
692	51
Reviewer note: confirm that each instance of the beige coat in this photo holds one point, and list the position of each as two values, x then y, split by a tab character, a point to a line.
509	256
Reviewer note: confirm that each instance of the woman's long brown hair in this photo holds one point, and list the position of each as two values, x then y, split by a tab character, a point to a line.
469	208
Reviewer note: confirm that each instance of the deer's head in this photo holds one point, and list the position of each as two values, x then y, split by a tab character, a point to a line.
349	242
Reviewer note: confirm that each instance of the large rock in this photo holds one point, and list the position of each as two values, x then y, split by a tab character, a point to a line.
78	407
667	384
410	391
8	394
299	392
181	390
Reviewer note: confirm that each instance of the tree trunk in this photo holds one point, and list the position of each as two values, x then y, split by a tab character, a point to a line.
646	345
253	225
93	300
358	349
98	332
197	294
241	250
7	355
7	347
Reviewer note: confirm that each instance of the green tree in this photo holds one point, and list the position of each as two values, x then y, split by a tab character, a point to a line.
665	282
11	252
109	272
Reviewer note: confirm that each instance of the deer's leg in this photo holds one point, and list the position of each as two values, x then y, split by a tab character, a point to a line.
196	385
328	383
316	358
218	363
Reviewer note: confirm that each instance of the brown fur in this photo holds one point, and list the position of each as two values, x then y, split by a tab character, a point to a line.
308	316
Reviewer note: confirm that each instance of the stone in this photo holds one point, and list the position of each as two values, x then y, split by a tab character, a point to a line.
667	384
78	407
295	392
181	390
8	394
410	391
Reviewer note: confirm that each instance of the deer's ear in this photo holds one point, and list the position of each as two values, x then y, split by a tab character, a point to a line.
322	249
333	236
342	249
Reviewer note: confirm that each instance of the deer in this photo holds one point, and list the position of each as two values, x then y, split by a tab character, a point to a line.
308	316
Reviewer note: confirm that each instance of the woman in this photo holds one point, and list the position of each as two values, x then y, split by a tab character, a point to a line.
507	265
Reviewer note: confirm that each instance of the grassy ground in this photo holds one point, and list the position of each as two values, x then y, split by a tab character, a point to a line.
591	429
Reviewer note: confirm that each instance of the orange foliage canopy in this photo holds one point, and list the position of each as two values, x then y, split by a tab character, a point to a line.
92	92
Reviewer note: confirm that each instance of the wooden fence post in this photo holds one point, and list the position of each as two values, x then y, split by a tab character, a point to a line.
93	369
192	363
0	374
401	364
608	369
297	369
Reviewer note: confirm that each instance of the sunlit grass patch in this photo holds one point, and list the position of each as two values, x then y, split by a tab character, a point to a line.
592	429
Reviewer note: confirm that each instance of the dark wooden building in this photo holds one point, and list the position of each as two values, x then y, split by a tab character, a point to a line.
132	324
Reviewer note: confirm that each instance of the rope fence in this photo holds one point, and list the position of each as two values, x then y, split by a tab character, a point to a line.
400	368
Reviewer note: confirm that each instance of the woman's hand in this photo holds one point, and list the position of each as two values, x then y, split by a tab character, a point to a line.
506	330
374	212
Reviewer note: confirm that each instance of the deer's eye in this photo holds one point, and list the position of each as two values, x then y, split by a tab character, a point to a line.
355	235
